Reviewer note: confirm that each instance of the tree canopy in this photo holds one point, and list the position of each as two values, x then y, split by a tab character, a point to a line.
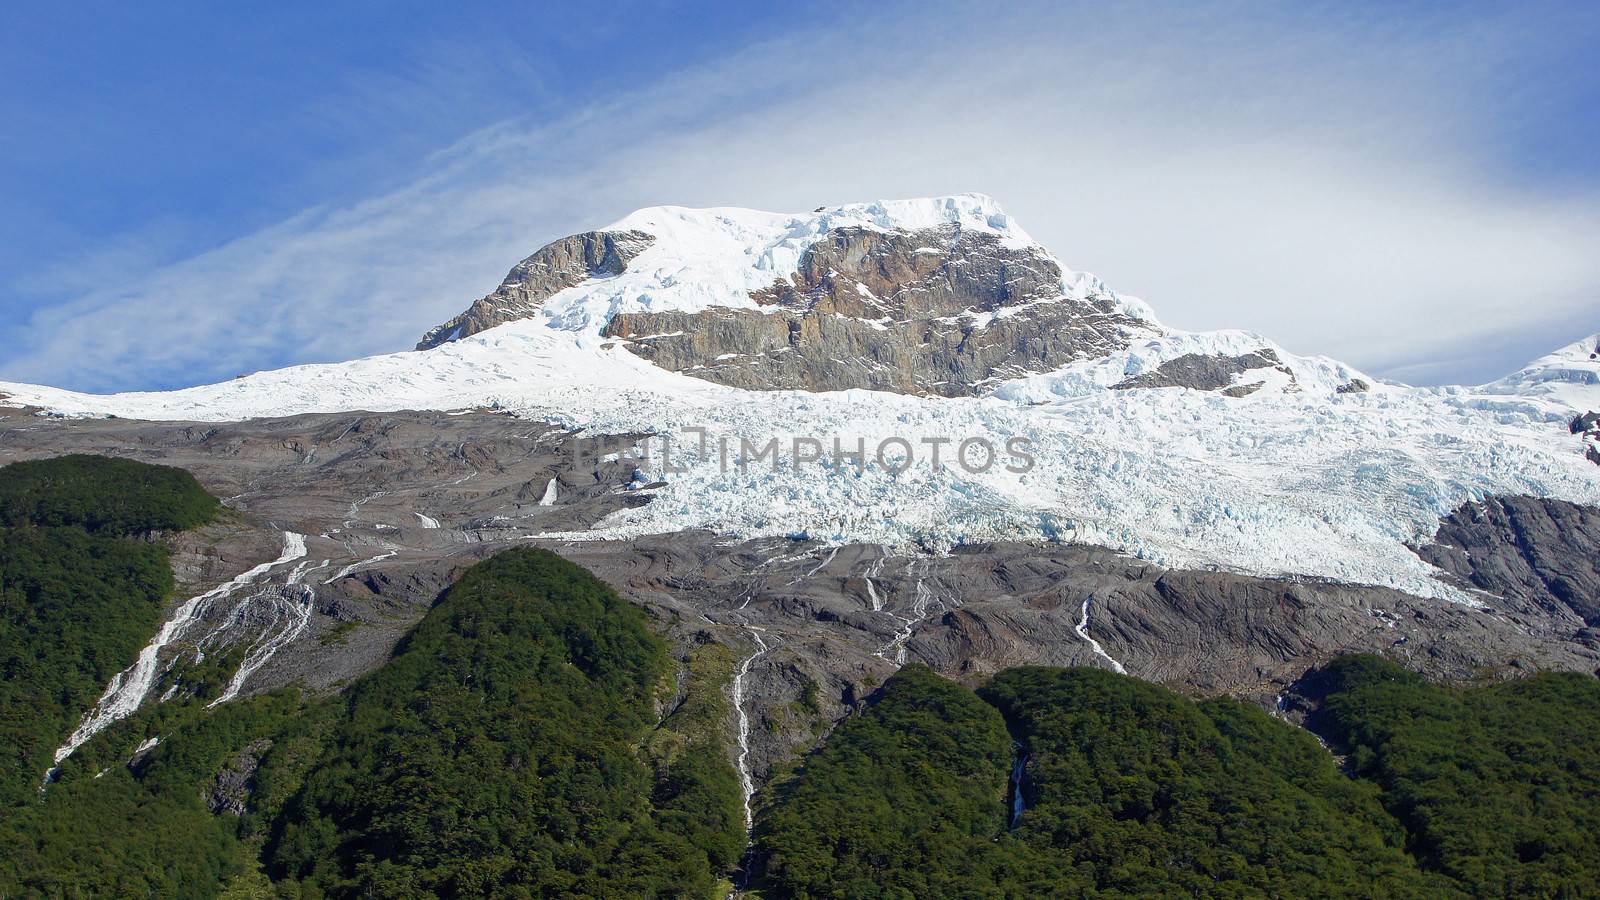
77	598
1498	786
102	495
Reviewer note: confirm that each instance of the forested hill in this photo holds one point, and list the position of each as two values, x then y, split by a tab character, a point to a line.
102	495
511	747
499	753
1497	787
78	596
1127	789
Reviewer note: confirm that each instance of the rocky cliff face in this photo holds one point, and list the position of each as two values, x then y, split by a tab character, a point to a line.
1235	376
936	311
1537	550
555	267
940	311
1587	427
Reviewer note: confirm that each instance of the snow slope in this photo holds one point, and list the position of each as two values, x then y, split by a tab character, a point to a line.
1293	479
1569	377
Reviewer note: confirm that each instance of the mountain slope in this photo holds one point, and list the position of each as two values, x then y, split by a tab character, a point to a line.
1193	450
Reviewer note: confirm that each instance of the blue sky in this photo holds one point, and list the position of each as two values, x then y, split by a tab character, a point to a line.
191	190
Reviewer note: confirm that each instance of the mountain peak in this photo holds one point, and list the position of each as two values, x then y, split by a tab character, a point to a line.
940	295
970	211
1570	375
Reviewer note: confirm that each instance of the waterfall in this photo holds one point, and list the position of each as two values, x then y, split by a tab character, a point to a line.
1018	766
128	688
1083	632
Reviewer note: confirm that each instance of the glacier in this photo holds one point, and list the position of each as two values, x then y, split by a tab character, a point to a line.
1296	479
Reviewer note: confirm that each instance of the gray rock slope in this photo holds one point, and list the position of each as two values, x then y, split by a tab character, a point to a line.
394	506
1539	551
1210	373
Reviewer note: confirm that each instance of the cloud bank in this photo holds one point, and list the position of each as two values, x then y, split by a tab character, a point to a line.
1324	183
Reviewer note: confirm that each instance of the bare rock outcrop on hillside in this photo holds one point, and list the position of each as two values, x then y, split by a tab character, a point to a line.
1542	551
1211	373
939	311
555	267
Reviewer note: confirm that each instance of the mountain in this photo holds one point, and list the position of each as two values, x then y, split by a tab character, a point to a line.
1570	376
838	442
1215	449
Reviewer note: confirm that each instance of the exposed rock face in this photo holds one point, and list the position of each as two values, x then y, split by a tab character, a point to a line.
1588	427
938	311
1543	551
230	792
1211	373
838	616
555	267
1353	386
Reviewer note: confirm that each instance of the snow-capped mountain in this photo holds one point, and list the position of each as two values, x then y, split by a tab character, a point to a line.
919	325
1570	376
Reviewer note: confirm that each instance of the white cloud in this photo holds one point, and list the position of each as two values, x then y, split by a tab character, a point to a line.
1317	184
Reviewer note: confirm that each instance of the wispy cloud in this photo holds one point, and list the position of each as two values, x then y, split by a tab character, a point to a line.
1323	182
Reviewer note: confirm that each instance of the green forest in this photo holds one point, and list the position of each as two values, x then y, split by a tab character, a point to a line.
102	495
1129	789
533	736
498	752
78	594
510	747
1498	787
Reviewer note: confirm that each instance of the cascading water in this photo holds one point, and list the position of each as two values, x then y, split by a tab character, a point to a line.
290	607
1019	766
129	687
746	780
1083	632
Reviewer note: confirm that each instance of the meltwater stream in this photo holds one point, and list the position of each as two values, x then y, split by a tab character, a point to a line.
745	780
290	607
1083	632
129	687
1019	765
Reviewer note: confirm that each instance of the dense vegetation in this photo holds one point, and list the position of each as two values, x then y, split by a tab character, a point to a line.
74	610
102	495
1129	789
498	753
78	598
1497	786
1136	790
905	800
111	829
512	745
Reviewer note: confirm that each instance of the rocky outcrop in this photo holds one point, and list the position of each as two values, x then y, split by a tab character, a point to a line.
1587	427
1543	551
1211	373
229	793
938	311
555	267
